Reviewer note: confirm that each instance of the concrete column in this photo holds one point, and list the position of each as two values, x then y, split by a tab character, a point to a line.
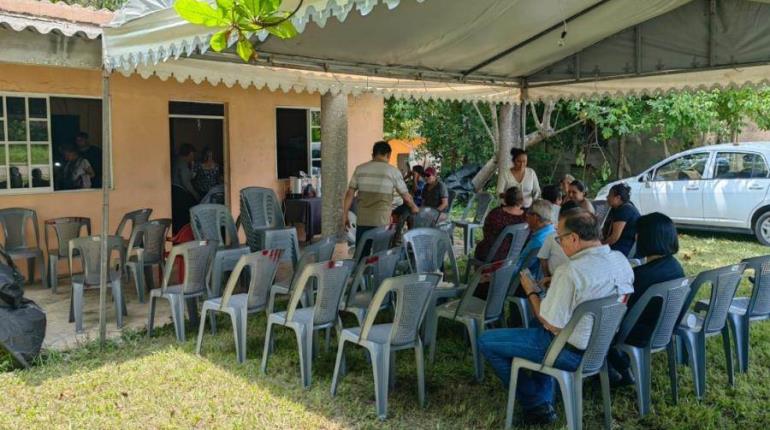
334	161
509	123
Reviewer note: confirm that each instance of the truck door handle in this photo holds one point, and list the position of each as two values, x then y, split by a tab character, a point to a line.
693	188
756	187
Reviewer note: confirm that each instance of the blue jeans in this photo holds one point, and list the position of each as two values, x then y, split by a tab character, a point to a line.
533	389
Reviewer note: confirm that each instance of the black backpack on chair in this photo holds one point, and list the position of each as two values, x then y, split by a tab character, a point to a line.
22	322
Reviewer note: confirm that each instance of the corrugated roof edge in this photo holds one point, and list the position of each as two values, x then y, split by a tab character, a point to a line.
59	11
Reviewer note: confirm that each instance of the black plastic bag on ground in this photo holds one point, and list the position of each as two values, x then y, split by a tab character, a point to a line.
22	322
22	331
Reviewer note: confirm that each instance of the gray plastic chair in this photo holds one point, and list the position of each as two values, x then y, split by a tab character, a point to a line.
425	218
368	275
516	234
373	241
413	293
671	296
745	310
261	267
197	257
64	229
476	313
470	225
521	303
14	223
213	222
601	210
317	252
284	238
427	250
260	210
88	249
136	218
693	334
606	315
145	250
331	278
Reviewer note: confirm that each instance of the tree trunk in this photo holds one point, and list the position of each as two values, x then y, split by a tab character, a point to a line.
621	156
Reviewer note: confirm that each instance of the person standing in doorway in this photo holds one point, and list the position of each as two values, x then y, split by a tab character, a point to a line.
374	183
94	156
182	174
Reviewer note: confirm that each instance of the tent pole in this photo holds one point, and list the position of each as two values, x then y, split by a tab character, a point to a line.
106	184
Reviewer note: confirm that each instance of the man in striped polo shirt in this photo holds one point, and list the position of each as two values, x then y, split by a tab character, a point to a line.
375	181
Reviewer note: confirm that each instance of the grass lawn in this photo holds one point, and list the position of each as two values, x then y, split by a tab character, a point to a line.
137	382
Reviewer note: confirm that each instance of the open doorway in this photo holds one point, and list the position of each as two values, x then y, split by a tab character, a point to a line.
197	147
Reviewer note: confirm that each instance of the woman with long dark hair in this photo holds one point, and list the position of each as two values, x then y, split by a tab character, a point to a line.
577	193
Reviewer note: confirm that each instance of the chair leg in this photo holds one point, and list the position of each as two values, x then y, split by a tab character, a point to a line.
267	348
192	310
177	315
606	401
77	304
380	369
728	355
418	355
151	315
216	277
235	318
201	329
572	395
31	269
740	331
431	327
338	372
473	327
41	268
466	240
53	275
696	351
117	296
392	371
672	362
304	335
511	394
640	366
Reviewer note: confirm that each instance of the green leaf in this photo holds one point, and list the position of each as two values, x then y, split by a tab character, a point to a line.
269	6
219	40
226	5
252	8
245	50
200	12
284	30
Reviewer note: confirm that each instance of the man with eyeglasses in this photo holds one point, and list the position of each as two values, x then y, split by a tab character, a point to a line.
592	272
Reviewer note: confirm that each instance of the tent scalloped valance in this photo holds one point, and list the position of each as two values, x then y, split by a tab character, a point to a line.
192	38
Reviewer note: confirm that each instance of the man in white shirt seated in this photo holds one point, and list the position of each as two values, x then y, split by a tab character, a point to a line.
592	272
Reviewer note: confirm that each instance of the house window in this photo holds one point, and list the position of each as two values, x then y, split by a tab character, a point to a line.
35	130
298	143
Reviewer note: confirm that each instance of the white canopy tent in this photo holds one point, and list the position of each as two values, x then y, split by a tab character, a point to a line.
490	50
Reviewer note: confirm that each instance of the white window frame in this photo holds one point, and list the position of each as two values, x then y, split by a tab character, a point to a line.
49	142
309	120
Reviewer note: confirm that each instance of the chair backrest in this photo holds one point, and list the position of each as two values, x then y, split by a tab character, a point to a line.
759	304
283	238
425	218
601	210
331	278
64	229
371	271
136	218
378	239
197	257
498	275
213	222
671	296
14	223
151	238
88	249
724	281
413	293
324	248
517	235
427	249
262	267
260	208
605	315
483	200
